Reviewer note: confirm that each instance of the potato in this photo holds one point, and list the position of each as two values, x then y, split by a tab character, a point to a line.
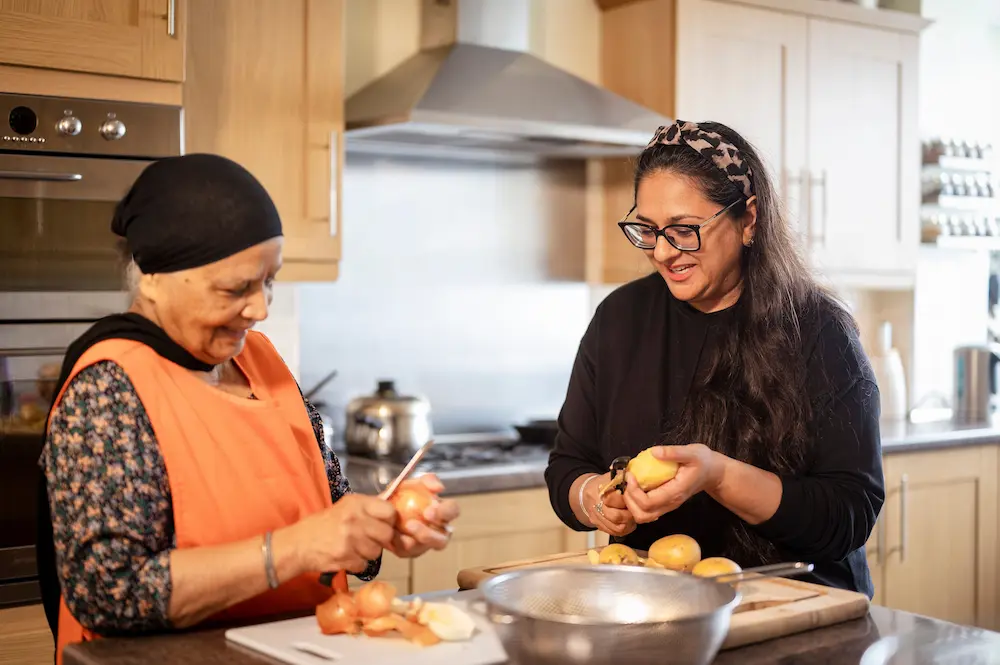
619	554
677	552
650	472
715	565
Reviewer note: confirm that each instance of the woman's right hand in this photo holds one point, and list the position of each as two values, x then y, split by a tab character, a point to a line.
616	519
345	536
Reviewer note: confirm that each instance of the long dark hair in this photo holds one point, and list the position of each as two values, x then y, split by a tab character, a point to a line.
748	398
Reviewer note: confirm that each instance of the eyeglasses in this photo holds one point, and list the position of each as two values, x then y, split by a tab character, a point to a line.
685	237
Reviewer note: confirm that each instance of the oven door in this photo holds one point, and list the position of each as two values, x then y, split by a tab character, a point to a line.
55	220
27	388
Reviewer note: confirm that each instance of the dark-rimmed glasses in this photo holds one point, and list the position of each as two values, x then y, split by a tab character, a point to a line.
685	237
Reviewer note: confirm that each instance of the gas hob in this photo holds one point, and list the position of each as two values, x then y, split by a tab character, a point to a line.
465	456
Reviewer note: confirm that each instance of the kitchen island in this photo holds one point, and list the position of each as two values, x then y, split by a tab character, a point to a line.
941	481
841	644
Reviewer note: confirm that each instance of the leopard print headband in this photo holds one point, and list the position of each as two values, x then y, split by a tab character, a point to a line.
723	154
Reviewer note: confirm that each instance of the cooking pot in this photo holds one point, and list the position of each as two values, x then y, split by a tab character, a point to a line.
387	425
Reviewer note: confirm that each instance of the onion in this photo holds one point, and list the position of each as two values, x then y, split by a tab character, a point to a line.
374	599
415	632
337	615
411	500
380	626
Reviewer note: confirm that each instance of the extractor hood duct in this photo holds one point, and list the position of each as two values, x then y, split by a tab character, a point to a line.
473	100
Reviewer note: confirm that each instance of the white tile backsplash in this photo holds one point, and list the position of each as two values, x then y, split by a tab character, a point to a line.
462	282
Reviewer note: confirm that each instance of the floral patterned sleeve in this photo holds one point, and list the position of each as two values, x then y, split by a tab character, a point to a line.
112	516
338	481
111	508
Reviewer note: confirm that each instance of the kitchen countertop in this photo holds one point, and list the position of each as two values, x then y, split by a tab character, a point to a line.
904	436
841	644
369	477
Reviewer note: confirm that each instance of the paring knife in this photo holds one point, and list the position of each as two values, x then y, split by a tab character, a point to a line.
326	579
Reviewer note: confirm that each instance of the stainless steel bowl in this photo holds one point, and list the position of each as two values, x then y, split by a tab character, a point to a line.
608	614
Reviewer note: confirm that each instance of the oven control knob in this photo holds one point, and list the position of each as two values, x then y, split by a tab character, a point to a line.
69	125
112	129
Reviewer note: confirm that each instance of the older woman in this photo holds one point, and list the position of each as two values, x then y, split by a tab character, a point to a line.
186	475
733	357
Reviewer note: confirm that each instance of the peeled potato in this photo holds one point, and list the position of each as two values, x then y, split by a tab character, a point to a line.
619	554
593	557
677	552
650	472
715	565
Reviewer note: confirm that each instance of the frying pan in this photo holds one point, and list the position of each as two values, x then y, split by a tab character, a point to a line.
538	431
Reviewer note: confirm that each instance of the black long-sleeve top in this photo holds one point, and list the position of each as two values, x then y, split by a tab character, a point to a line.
632	373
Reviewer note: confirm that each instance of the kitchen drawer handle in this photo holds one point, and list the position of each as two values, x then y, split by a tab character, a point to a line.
172	18
42	177
903	484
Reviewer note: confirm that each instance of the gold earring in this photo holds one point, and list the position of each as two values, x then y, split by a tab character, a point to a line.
748	242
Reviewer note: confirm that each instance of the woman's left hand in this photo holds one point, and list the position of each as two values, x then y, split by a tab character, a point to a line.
700	468
416	538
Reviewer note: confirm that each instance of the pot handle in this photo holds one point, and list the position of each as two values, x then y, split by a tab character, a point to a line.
760	572
374	423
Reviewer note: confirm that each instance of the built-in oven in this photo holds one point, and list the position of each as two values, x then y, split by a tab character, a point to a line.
64	165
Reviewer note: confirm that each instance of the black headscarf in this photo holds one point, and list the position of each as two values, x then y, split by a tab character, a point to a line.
181	213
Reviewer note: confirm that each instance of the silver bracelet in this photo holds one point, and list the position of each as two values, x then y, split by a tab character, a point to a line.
583	486
272	575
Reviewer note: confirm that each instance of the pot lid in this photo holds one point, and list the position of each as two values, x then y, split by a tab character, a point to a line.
386	396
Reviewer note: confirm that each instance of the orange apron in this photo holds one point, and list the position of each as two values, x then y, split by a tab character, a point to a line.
236	467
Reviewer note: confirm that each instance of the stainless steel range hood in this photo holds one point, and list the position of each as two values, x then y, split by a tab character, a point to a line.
477	101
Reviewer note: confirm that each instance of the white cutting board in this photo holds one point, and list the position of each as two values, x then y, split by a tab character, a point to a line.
300	642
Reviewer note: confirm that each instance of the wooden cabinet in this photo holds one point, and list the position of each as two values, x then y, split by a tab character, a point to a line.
493	528
828	99
135	38
770	107
264	88
864	153
24	637
934	551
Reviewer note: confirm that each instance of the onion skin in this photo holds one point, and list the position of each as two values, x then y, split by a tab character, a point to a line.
411	500
374	599
337	615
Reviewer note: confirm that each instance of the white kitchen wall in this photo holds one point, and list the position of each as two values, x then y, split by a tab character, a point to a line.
959	98
960	87
462	282
950	309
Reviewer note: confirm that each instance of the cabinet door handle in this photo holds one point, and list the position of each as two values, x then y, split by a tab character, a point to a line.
821	180
903	484
880	541
801	179
172	18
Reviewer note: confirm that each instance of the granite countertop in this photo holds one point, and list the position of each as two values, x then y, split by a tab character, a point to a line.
841	644
369	477
905	436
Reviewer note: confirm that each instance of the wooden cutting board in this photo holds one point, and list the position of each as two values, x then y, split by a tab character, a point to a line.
770	607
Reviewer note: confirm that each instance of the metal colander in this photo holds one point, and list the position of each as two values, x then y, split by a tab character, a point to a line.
603	614
606	595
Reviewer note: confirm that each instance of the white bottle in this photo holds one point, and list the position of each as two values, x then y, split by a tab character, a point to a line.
888	367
